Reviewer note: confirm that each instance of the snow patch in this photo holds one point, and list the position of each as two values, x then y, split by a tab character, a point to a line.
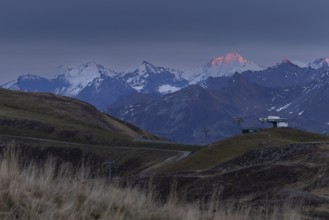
283	107
270	109
11	85
168	89
138	88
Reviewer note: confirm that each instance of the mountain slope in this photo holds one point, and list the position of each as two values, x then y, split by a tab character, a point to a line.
309	109
282	75
180	116
235	146
148	78
184	116
319	63
104	91
56	117
33	83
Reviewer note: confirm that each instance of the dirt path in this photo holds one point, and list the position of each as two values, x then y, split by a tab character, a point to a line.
102	146
169	160
180	154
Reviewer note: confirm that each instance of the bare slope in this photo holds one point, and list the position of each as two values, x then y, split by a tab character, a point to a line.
56	117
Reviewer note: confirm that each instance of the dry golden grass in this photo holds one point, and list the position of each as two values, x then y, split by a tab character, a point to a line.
33	192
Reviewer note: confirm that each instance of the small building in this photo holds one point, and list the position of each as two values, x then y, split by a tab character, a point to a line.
276	121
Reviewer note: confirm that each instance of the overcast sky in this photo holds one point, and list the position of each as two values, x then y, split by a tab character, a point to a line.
36	36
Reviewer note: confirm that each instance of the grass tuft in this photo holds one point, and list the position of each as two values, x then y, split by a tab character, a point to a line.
30	191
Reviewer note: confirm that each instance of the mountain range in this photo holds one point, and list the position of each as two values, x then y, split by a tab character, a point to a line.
199	106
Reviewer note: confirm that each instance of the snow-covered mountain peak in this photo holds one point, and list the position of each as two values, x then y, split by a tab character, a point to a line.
319	63
28	76
146	67
223	66
149	78
85	72
229	58
291	62
89	67
229	64
146	63
299	63
286	61
79	77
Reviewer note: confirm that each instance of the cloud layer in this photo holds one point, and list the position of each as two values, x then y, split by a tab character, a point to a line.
36	35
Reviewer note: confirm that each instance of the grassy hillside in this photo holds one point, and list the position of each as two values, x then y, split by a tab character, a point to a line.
230	148
275	166
63	126
34	192
56	117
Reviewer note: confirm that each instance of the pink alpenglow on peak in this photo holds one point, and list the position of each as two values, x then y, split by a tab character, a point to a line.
228	58
228	64
223	66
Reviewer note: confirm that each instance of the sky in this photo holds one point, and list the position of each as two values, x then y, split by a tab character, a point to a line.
36	36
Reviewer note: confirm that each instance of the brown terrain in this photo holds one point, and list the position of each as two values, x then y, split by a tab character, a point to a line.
271	168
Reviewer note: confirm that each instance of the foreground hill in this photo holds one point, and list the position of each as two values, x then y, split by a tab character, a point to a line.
48	125
34	192
45	115
273	167
230	148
